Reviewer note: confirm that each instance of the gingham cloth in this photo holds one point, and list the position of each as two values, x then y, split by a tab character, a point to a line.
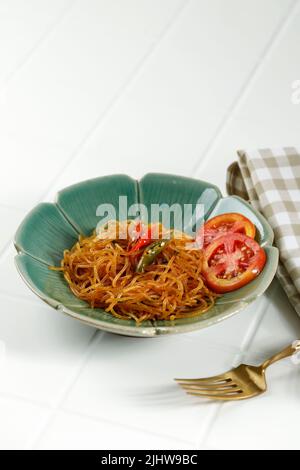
270	180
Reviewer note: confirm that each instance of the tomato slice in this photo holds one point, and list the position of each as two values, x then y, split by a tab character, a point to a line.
227	223
231	261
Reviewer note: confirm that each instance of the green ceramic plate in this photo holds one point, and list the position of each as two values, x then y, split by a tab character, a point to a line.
50	228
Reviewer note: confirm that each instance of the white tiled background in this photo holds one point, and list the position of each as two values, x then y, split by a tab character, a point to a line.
94	87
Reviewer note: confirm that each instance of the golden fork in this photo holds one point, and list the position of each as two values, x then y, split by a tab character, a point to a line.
238	384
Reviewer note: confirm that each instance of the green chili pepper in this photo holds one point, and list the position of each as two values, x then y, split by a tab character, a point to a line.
150	254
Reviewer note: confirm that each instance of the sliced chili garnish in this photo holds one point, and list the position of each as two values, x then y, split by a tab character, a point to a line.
143	238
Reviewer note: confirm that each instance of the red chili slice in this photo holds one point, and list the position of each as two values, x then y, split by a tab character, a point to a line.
143	239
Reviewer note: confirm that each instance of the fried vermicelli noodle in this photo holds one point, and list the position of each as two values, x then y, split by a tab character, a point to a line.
103	273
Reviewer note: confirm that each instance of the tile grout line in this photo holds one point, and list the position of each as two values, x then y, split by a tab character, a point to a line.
58	406
95	338
271	44
21	398
56	22
11	207
5	248
250	334
119	93
76	152
201	164
54	409
255	324
246	343
35	300
98	420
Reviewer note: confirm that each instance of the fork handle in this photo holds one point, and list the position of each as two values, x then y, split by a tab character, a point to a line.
287	352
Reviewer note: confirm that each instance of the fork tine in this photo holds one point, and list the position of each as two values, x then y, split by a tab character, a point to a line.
227	397
207	380
216	393
223	386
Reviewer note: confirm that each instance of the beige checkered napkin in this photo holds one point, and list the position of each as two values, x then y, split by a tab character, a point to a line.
270	180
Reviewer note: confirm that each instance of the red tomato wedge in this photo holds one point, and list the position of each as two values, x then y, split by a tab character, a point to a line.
231	261
227	223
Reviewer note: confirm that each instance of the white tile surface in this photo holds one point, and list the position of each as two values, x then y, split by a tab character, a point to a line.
55	100
269	419
9	219
79	432
43	350
165	119
97	87
279	326
125	389
266	422
10	281
20	422
250	133
273	85
265	116
233	331
23	26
